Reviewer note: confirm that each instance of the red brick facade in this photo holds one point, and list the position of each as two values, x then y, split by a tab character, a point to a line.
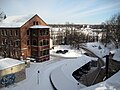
23	40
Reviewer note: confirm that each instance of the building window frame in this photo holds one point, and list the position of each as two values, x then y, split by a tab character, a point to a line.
10	32
16	32
34	42
5	32
16	43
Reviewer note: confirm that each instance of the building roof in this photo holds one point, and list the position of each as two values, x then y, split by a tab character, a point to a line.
39	26
16	21
9	62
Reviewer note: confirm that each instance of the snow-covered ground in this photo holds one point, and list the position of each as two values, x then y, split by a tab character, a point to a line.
35	80
41	81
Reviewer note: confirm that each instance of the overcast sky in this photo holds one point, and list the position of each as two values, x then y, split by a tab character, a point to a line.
61	11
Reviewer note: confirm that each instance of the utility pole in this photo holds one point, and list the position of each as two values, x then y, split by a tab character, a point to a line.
107	65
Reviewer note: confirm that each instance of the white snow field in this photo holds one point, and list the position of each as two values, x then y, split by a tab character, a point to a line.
60	69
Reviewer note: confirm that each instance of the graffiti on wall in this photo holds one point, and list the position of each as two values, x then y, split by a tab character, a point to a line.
8	80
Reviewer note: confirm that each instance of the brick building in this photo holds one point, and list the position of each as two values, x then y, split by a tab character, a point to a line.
24	36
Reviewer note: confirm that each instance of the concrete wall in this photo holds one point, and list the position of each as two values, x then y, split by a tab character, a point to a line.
13	69
17	71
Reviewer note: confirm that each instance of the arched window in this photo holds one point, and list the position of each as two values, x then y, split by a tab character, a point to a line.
40	43
44	42
34	42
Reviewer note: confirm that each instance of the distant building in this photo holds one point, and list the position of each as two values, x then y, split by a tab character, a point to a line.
11	71
24	36
57	35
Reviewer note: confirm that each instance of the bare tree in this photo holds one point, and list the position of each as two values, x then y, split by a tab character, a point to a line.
111	31
2	15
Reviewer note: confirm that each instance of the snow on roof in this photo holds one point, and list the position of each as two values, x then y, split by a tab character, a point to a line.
16	21
39	26
65	74
9	62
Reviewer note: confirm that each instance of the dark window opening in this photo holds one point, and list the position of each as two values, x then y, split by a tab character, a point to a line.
16	43
44	42
34	33
28	32
34	53
34	23
34	42
2	32
47	32
47	42
46	52
40	43
40	32
11	42
16	32
28	42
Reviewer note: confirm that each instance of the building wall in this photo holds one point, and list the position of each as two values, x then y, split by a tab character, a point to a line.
12	38
40	51
22	50
13	69
26	49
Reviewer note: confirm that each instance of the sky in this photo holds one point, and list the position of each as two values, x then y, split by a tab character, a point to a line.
62	11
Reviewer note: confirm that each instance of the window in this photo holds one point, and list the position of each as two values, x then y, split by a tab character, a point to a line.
16	54
28	32
16	32
34	53
10	32
34	33
34	42
43	32
35	23
47	32
3	42
47	42
40	43
11	42
41	53
2	32
46	52
40	32
11	53
5	32
44	42
16	43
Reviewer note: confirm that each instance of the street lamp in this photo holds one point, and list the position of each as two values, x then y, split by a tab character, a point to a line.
38	72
